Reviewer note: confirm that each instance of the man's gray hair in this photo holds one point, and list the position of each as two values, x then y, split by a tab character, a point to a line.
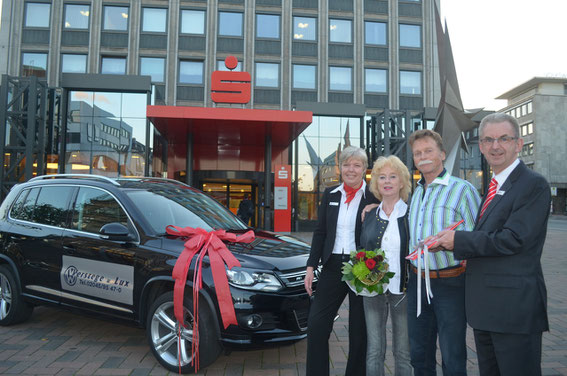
353	152
499	117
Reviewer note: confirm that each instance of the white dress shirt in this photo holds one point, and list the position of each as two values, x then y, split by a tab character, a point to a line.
346	222
503	175
391	244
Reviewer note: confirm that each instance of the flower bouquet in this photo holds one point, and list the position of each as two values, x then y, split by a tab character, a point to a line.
366	272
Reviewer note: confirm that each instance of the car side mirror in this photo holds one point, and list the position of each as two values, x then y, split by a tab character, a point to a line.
115	231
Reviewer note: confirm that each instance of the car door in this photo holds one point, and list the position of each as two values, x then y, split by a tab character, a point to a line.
97	273
38	217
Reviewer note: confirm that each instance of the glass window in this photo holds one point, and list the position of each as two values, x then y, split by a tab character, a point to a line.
222	67
410	35
51	206
375	33
24	205
529	107
304	28
113	65
376	80
154	20
267	26
71	63
410	82
267	74
115	18
37	15
230	24
77	16
94	208
192	21
340	31
154	67
304	76
530	128
340	78
191	72
34	64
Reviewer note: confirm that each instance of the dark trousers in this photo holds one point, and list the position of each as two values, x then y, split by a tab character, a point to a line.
504	354
444	317
329	295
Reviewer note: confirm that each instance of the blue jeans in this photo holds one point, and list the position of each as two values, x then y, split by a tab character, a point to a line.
445	316
376	316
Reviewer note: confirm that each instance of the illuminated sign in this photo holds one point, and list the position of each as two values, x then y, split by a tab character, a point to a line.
229	86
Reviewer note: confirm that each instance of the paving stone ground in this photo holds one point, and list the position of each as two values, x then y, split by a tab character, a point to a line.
56	342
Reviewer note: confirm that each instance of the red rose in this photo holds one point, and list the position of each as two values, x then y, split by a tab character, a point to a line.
360	255
370	264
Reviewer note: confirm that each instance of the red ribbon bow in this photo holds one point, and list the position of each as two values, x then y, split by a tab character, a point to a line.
201	243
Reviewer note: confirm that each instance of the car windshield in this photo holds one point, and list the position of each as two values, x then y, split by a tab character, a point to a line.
182	207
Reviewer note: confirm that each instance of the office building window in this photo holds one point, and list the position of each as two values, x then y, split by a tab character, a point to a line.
340	78
222	67
304	28
34	64
77	16
340	31
72	63
230	24
376	80
154	67
37	15
191	72
410	82
192	21
304	76
410	35
375	33
154	20
268	26
267	74
113	65
115	18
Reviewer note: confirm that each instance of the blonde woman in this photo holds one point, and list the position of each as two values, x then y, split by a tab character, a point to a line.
386	227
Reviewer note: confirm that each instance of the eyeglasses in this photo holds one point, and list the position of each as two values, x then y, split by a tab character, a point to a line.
504	140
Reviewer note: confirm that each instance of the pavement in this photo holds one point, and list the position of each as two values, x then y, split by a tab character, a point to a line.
56	342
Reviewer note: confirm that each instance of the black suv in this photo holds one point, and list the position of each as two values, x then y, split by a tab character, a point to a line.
99	244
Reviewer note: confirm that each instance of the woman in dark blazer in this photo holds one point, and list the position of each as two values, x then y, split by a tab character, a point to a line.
336	235
386	227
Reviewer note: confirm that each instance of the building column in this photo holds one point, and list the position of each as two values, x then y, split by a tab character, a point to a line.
267	217
189	160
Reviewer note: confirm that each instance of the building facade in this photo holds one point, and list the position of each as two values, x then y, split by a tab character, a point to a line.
343	60
540	105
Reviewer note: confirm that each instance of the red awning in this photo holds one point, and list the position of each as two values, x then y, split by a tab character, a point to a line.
229	126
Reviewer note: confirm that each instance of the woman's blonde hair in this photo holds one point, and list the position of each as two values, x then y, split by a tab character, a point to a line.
397	165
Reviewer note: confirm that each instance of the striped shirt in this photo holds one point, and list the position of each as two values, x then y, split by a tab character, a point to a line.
446	201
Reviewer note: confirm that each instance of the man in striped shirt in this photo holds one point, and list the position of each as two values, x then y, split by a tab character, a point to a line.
439	201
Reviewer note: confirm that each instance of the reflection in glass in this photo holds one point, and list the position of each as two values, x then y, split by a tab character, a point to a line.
340	78
303	76
191	72
375	33
375	80
304	28
340	31
154	67
230	24
222	67
113	65
410	82
154	20
71	63
267	74
192	21
267	26
34	64
37	14
115	18
410	35
76	16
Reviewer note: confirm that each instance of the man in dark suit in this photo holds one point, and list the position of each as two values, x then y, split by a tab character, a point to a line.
506	298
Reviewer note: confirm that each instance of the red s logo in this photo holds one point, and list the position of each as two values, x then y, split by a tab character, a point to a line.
229	86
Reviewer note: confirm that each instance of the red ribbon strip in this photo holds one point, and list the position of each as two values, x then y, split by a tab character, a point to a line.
433	241
201	243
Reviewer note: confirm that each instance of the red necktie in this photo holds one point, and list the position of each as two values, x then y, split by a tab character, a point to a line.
350	192
490	196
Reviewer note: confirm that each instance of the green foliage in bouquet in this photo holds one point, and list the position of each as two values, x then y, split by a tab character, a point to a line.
367	270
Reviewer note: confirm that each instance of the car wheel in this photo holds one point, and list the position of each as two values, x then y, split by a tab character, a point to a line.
13	308
162	333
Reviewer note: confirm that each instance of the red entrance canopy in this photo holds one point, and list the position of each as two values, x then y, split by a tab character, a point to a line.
229	126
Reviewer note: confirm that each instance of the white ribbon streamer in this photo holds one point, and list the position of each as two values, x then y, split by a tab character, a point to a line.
428	292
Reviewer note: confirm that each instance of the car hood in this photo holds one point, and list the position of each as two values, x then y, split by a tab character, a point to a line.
268	251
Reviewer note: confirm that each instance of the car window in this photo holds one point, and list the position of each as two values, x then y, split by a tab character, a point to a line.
94	208
51	205
23	207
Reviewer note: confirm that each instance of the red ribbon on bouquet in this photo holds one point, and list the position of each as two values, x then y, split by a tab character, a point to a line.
201	243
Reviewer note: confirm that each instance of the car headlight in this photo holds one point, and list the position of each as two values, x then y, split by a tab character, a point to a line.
253	280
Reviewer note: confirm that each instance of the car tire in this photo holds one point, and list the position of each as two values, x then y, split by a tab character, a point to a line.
13	308
161	331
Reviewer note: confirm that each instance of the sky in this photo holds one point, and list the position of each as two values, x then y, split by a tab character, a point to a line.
500	44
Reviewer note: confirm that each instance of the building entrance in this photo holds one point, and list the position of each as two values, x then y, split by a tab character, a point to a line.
231	194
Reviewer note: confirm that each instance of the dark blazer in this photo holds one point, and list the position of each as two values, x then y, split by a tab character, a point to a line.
326	229
371	238
505	289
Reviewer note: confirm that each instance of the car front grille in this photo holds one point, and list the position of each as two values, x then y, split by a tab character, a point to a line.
295	278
